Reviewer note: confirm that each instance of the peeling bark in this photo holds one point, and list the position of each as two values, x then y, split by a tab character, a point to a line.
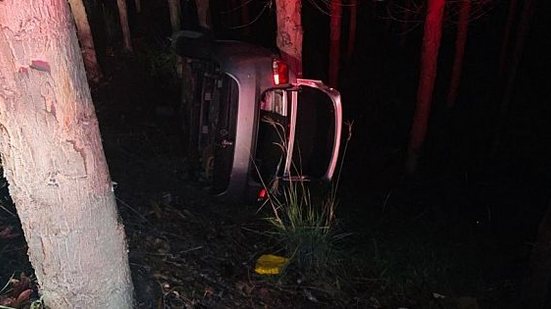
54	161
289	33
84	33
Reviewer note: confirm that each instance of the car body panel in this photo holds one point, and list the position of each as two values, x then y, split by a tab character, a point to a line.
250	69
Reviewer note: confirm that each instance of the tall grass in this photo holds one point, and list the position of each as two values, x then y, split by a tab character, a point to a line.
303	217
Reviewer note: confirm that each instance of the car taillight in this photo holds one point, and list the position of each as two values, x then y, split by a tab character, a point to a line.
262	195
281	72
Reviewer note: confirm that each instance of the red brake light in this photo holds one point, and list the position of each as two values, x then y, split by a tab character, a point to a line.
262	194
281	72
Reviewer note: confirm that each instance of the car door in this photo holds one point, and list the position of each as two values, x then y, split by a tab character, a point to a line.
298	133
314	130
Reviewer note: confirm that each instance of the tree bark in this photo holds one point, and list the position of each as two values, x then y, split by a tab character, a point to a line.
289	33
86	39
203	13
507	37
245	17
352	28
516	57
123	18
54	161
429	61
138	5
404	27
460	42
175	16
335	42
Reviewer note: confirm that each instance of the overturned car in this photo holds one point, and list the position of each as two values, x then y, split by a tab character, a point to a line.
249	123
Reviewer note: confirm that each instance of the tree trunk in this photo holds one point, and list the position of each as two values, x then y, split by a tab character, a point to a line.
245	17
516	56
175	19
408	13
84	33
123	17
203	13
138	5
335	42
352	28
507	37
429	61
289	33
54	162
461	40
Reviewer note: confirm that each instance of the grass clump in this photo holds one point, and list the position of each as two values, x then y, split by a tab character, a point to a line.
304	221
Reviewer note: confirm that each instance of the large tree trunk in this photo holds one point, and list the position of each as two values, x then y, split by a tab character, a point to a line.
123	18
289	33
427	76
84	32
175	18
507	37
54	162
352	28
335	42
460	41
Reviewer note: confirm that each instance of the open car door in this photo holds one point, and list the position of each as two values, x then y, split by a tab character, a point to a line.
299	133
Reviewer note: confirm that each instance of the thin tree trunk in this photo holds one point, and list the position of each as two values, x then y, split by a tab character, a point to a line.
352	28
245	17
123	17
335	42
537	289
289	33
507	37
84	33
516	56
175	16
461	40
203	13
54	161
138	5
408	13
427	76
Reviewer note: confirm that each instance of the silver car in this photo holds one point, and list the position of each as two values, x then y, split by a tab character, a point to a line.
249	123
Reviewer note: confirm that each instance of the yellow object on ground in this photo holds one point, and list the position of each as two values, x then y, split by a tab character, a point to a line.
269	264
